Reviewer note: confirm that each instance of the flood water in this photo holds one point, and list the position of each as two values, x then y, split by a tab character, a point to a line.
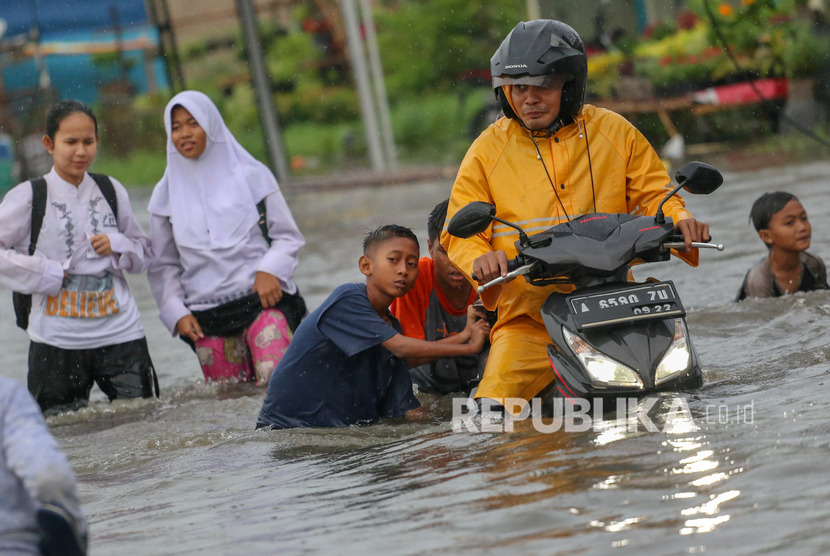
744	471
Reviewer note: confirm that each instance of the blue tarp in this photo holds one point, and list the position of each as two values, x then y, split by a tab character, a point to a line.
62	16
71	25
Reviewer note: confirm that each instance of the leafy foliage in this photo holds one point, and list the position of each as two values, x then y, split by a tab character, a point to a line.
766	38
604	73
429	45
435	56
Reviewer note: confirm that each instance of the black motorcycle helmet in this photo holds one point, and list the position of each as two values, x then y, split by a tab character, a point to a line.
531	53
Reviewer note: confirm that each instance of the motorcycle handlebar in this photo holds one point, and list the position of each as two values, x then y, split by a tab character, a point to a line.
517	267
698	244
517	271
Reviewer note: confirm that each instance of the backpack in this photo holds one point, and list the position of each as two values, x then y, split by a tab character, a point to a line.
23	301
293	306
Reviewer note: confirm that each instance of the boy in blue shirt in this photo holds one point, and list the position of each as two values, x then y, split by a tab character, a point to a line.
348	361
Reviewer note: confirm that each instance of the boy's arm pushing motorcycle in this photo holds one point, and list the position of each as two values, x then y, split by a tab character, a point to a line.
476	324
417	352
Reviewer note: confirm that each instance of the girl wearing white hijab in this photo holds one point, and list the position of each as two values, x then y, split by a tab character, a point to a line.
222	278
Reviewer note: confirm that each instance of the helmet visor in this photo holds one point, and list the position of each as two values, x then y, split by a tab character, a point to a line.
554	81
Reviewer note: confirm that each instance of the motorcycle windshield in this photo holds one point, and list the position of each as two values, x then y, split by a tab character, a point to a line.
593	226
599	244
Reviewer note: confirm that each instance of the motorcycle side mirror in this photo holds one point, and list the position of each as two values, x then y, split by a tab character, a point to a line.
699	178
475	218
471	219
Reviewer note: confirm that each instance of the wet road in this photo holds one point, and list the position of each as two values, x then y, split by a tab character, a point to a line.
744	472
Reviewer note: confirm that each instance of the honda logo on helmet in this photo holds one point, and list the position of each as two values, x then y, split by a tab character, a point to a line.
515	66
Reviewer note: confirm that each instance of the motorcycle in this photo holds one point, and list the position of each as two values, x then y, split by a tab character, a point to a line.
610	338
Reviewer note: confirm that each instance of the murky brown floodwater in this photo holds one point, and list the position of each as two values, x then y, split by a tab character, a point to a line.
747	474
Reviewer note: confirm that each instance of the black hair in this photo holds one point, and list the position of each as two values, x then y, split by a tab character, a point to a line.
766	206
383	233
175	107
435	222
61	110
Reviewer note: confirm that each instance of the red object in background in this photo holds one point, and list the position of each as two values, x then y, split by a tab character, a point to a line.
687	19
743	93
314	26
476	76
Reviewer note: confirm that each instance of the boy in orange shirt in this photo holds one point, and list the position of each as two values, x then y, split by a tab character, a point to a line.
441	307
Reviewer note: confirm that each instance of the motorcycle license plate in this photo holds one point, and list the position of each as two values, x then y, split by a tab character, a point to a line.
654	300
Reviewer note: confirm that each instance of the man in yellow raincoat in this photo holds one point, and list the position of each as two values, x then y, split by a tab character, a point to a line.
549	159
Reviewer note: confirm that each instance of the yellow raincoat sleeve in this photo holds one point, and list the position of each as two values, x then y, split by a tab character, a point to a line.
470	185
647	183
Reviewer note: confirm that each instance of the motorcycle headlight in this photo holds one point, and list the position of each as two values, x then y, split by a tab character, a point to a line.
599	366
677	358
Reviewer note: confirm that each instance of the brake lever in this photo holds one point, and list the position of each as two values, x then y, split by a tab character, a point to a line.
510	275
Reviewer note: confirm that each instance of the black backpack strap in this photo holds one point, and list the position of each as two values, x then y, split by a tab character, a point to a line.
263	220
22	302
292	306
106	187
38	210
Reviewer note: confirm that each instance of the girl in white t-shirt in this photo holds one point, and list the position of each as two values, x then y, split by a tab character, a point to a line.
84	324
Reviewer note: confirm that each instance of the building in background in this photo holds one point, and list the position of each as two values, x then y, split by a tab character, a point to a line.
53	49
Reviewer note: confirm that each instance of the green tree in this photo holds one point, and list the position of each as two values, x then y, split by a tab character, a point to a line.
429	45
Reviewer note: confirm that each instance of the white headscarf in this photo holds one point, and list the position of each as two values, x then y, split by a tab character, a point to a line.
211	200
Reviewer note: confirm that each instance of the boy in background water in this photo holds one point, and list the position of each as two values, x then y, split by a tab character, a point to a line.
783	226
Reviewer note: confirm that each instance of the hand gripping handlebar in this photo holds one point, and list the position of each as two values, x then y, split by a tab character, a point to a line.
515	268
